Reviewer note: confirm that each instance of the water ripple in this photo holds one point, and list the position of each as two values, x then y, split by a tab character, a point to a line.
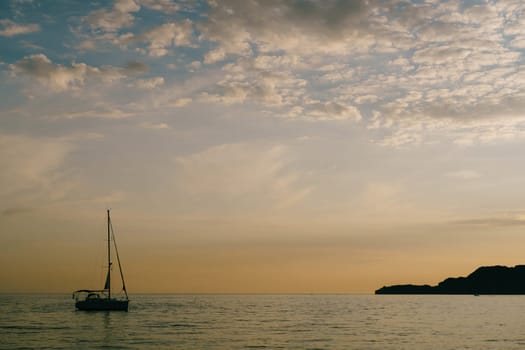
266	322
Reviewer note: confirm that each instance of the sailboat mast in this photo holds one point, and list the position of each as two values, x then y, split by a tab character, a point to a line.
109	259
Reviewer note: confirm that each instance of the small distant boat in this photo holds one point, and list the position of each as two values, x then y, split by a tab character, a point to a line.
101	299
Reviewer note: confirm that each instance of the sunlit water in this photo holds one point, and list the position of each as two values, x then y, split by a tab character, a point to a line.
267	321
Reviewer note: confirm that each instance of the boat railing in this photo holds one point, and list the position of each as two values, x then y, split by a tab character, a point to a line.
84	294
87	293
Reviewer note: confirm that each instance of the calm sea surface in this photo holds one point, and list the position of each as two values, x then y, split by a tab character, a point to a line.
267	321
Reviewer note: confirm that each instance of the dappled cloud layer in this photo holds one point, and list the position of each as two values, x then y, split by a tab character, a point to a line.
408	72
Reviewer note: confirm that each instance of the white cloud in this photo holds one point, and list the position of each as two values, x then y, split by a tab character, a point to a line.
270	88
161	38
100	112
453	66
126	6
165	6
409	72
333	111
265	81
181	102
122	14
112	20
214	56
389	201
338	76
269	80
148	84
11	28
155	126
30	164
241	175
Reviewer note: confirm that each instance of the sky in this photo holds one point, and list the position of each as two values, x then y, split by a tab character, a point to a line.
260	146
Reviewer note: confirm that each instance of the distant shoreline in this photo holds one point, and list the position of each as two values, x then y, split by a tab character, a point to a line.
486	280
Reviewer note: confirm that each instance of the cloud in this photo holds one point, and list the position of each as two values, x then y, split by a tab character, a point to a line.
62	78
36	174
161	38
135	67
30	164
106	25
464	174
465	73
412	71
11	28
297	27
214	56
16	211
99	112
496	221
155	126
122	13
148	84
332	111
263	81
113	20
241	175
411	74
87	45
165	6
269	80
389	200
56	77
181	102
126	6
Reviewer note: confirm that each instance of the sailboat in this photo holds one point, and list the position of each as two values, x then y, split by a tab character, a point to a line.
101	299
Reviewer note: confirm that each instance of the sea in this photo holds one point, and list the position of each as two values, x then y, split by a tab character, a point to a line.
34	321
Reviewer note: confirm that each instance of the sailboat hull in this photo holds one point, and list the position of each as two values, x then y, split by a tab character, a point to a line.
100	299
102	305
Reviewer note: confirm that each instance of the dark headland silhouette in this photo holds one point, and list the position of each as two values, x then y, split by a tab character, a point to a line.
485	280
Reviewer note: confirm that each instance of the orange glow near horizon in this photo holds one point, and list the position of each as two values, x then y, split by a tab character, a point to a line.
172	263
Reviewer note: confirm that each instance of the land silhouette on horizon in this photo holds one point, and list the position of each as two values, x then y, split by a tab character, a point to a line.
484	280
